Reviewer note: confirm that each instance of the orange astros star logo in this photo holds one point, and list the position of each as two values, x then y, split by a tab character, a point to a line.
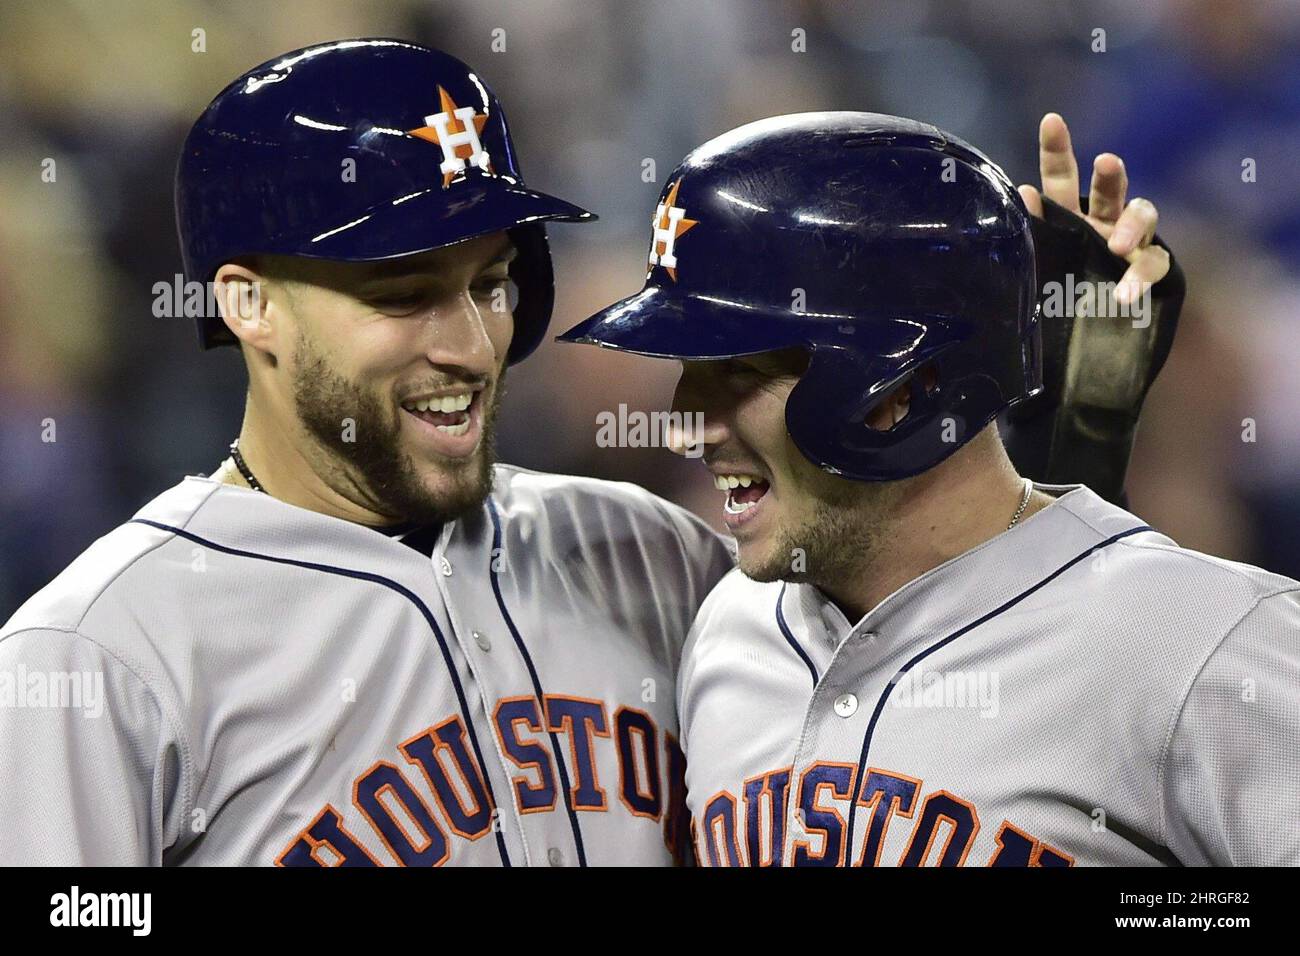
456	129
670	224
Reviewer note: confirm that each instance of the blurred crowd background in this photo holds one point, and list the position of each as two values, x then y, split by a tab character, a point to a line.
1185	92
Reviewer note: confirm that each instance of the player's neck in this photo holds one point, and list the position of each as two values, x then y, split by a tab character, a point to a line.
277	456
955	507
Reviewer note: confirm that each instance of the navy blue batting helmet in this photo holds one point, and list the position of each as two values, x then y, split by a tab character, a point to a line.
360	150
880	245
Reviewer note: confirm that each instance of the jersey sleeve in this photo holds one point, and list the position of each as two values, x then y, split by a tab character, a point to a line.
1232	775
89	768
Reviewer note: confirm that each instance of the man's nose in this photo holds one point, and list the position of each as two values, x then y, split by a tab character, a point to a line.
701	415
458	336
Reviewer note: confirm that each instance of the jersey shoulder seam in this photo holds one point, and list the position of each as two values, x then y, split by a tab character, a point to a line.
1220	564
1087	522
187	757
1176	551
1181	705
168	535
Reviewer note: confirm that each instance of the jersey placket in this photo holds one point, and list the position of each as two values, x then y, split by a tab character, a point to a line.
838	714
452	569
464	565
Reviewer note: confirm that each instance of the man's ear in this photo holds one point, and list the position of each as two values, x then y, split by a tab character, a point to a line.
241	294
895	408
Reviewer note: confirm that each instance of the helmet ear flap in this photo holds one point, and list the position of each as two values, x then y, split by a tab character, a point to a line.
826	414
829	401
534	277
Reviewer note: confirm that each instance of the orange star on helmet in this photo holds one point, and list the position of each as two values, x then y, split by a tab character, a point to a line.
667	230
459	145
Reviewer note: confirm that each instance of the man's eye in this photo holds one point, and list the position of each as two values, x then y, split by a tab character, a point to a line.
489	284
398	302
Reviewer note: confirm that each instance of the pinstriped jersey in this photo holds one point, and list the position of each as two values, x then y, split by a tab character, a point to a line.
229	679
1078	690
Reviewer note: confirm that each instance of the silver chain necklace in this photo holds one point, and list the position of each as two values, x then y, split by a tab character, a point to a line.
1024	502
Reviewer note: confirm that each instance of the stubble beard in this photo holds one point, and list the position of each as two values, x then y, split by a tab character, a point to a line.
325	400
850	523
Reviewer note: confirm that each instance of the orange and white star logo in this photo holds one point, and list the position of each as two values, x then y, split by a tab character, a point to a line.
456	130
670	224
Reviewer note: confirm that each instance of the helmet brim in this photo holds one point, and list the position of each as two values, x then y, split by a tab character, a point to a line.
423	221
664	323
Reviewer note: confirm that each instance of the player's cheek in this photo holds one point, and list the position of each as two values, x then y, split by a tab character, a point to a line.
500	325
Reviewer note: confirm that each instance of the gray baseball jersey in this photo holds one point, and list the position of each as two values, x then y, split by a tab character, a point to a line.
229	679
1078	690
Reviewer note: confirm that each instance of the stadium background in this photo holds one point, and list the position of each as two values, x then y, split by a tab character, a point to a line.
1185	92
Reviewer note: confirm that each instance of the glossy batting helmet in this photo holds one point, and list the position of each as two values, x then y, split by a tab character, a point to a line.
879	245
360	150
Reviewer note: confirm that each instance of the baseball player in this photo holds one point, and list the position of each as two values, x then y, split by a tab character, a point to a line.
360	642
924	658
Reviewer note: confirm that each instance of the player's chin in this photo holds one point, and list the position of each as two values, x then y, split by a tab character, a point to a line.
762	560
444	494
461	478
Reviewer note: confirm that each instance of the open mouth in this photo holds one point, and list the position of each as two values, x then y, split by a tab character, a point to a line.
744	492
447	413
449	425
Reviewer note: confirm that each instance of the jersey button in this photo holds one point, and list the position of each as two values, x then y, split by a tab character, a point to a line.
555	857
446	567
482	641
846	705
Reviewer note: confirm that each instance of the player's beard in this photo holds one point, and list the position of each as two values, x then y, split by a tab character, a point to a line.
848	523
325	400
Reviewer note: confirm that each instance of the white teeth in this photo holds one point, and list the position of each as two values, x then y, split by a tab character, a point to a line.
460	429
726	482
443	404
734	508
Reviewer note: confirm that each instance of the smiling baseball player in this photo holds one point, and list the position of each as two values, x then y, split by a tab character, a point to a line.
359	642
924	658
